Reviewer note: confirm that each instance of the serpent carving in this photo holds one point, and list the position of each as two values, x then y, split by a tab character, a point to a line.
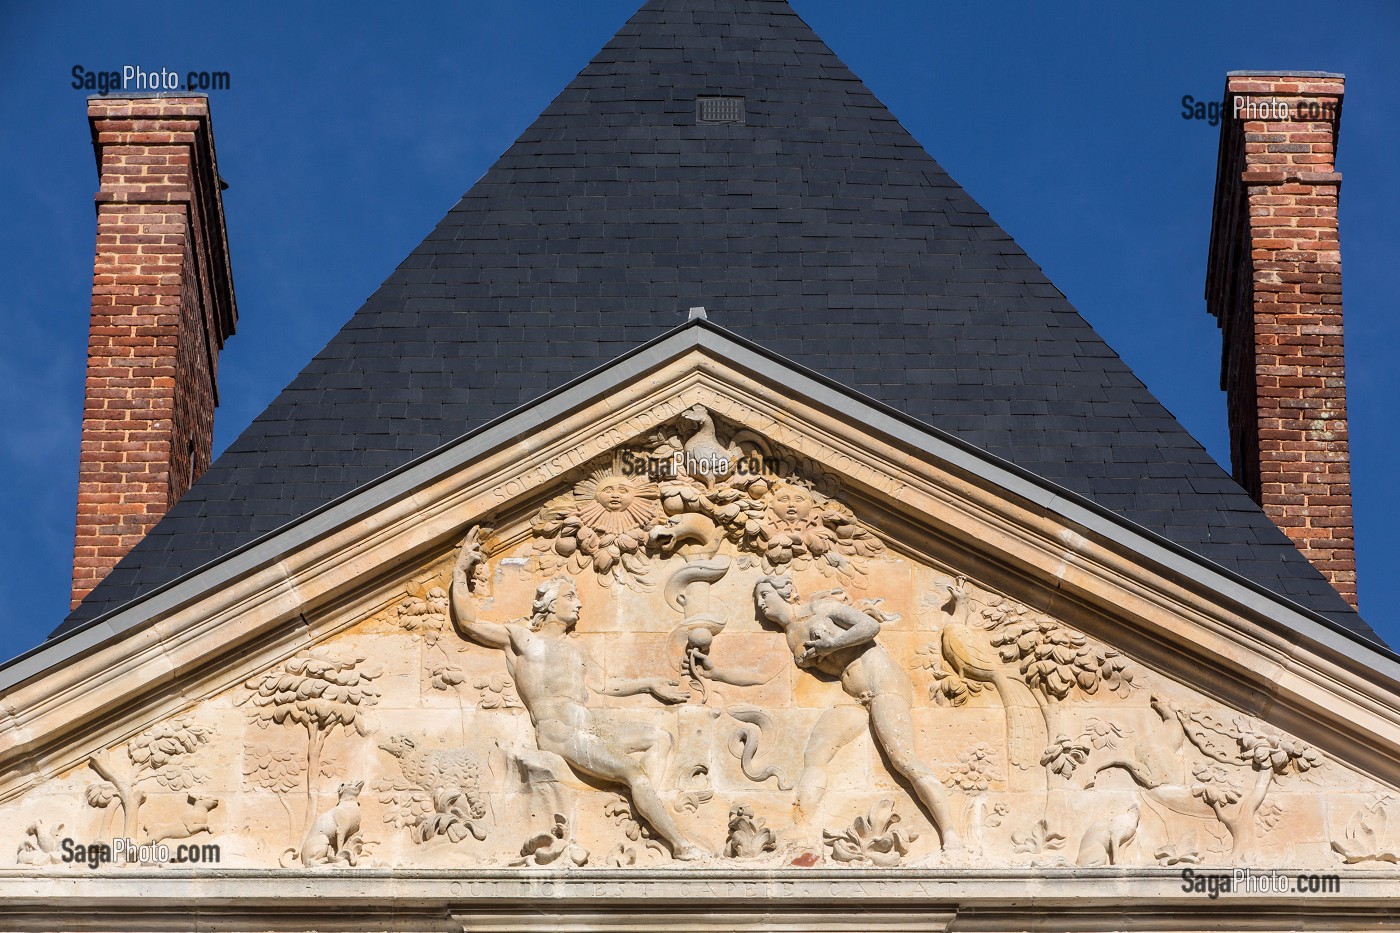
743	744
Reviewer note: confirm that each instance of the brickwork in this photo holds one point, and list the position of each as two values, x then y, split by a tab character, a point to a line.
162	306
1274	285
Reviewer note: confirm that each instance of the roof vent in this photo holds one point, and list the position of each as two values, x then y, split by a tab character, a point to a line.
719	110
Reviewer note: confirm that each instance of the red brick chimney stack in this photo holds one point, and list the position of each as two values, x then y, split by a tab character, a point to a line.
1274	284
162	306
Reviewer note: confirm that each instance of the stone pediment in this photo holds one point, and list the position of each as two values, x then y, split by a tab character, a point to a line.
700	610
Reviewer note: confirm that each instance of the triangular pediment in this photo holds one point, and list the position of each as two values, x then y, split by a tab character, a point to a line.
810	635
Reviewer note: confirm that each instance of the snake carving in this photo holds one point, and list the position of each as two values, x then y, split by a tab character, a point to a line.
687	591
743	744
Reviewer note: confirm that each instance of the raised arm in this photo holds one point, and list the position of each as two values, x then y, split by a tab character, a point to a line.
463	610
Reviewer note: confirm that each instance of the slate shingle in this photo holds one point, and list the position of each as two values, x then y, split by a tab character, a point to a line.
819	229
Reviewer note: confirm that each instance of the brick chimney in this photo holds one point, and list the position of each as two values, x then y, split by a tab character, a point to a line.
1274	284
162	306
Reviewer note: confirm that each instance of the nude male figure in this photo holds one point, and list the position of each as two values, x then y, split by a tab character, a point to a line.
553	678
839	640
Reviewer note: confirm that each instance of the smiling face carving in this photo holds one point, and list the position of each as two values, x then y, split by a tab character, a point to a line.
615	504
791	503
614	494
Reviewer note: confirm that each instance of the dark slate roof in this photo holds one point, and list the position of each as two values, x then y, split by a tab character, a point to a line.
819	229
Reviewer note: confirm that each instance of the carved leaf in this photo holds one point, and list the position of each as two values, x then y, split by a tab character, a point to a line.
1038	840
101	794
1215	787
180	778
871	838
158	747
1103	734
315	691
974	770
274	769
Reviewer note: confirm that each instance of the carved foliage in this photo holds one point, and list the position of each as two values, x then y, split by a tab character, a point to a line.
426	616
157	755
872	838
555	847
321	694
1366	837
748	837
1056	660
770	505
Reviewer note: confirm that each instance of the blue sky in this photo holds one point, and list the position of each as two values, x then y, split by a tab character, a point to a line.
350	129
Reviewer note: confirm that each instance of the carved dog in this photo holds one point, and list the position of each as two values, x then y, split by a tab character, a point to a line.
330	837
185	819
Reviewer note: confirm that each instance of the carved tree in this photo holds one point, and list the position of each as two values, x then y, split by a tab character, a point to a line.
1226	792
1242	745
320	694
1056	663
156	754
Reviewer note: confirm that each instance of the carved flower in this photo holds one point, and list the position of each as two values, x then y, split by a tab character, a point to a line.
1064	755
975	769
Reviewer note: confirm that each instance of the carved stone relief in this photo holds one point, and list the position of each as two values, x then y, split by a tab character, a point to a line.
698	650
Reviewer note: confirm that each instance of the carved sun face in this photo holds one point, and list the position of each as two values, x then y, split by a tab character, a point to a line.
611	502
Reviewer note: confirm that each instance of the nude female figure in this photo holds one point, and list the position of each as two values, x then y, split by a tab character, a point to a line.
554	677
839	640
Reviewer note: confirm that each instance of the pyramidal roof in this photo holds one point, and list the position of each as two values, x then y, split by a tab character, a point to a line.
818	228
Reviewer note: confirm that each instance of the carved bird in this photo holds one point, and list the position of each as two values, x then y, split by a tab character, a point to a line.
978	666
703	447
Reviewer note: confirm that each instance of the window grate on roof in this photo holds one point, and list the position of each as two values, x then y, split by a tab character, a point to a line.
719	110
